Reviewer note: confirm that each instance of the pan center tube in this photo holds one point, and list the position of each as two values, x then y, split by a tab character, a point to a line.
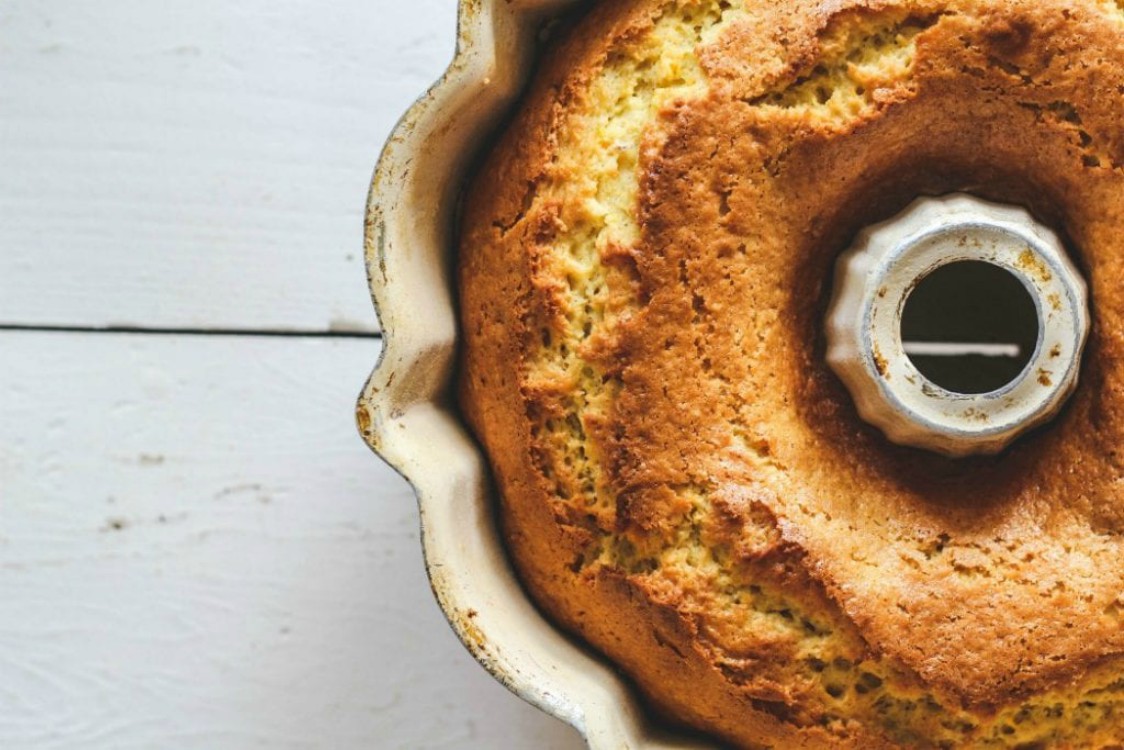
958	325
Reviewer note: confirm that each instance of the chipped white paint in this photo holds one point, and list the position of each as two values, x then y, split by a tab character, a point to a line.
197	551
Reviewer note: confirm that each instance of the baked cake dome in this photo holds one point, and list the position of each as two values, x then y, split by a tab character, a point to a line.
645	263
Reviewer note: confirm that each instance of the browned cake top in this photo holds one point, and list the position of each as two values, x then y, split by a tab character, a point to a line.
644	261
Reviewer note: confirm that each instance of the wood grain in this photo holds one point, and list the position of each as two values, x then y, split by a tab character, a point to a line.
197	163
197	551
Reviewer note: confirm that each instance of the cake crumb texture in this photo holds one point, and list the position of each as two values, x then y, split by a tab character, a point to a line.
643	263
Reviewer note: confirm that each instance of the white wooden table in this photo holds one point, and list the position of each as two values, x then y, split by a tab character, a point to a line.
196	550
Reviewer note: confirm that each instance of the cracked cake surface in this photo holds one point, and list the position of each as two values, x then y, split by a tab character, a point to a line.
643	262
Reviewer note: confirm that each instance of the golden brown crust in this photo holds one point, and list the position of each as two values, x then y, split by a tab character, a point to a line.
650	386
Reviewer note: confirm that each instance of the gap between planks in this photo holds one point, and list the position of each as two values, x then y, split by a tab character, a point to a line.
236	332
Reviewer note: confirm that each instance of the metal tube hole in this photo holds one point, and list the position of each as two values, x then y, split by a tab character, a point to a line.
970	327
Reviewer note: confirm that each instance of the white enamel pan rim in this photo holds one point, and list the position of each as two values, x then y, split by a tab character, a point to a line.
405	412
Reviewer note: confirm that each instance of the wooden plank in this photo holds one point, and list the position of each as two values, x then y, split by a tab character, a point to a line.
199	163
197	551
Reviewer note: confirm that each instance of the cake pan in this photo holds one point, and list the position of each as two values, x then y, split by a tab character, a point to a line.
406	412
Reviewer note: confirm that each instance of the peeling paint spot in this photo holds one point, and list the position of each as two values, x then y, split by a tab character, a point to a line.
255	489
363	420
1028	261
881	364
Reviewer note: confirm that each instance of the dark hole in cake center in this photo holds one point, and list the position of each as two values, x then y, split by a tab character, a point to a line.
970	327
